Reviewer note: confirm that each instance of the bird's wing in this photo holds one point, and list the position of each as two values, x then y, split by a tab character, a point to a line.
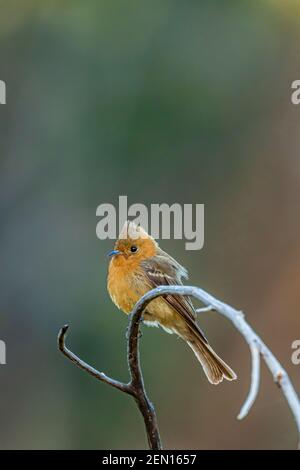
159	272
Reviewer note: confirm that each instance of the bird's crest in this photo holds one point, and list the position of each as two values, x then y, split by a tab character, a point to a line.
131	230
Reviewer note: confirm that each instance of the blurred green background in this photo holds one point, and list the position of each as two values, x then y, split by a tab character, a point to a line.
163	101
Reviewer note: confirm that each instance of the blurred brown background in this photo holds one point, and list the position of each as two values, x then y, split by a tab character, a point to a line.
164	101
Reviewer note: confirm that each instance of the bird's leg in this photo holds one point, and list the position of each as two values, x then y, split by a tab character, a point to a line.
209	308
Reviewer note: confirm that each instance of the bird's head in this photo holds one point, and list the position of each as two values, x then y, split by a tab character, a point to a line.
133	245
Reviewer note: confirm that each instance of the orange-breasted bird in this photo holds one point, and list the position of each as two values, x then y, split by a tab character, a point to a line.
138	265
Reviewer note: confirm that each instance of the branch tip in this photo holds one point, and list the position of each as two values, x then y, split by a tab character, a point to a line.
61	337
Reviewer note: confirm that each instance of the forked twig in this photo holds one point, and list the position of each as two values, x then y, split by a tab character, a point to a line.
135	387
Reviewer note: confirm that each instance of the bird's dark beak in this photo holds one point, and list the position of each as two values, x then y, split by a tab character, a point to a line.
113	253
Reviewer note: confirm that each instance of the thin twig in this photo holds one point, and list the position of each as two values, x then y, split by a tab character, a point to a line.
84	366
135	387
255	381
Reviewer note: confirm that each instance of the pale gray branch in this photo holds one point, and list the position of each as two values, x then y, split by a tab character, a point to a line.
256	344
255	381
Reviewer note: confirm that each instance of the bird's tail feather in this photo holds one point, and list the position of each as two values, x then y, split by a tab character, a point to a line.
214	367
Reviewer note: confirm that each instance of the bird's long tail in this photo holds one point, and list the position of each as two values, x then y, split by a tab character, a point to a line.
214	367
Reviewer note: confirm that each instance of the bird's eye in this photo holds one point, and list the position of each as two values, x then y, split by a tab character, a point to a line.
133	249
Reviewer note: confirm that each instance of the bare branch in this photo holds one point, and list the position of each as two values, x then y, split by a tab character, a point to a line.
255	381
280	376
84	366
136	387
137	383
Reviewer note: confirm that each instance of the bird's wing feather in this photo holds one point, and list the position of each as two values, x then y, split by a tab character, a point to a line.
160	272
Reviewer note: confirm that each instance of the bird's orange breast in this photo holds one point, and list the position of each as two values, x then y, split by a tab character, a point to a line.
125	286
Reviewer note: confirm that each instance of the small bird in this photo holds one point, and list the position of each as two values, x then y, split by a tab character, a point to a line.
137	265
